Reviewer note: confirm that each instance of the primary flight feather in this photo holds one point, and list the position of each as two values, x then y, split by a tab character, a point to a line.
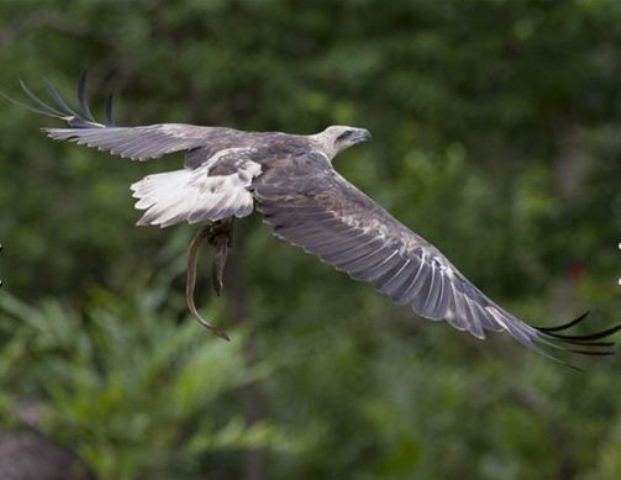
290	180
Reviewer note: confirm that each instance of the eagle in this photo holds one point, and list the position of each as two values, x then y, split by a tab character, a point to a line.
290	180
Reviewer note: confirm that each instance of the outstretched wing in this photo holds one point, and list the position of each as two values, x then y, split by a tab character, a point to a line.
140	143
136	143
218	167
310	205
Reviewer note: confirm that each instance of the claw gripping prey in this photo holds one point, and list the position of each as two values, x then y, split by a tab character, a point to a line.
218	234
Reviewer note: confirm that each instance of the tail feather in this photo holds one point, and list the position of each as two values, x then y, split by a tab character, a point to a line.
190	195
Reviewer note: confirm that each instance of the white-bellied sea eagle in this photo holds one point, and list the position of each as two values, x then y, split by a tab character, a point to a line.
290	180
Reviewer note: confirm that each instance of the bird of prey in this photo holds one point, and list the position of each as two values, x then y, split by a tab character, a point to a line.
290	180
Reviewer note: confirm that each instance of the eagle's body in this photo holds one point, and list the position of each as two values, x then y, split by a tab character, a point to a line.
290	180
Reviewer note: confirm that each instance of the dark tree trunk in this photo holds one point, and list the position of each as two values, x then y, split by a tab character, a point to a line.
236	299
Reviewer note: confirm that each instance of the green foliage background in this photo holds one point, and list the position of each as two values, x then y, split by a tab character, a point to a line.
496	126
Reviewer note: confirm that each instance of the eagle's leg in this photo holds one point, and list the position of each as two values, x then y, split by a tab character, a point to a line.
221	238
206	231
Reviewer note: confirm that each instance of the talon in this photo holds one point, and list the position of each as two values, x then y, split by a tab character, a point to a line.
222	243
216	278
220	237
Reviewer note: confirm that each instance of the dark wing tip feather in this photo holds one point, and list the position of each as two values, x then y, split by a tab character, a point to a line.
60	108
85	109
57	97
588	344
28	107
586	338
593	352
38	101
109	117
564	326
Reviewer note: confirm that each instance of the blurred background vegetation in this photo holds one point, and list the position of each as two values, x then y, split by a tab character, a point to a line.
497	137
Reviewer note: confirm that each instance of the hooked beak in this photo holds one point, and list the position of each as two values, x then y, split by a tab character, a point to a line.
361	135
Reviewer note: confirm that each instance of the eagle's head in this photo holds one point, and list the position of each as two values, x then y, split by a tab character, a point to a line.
337	138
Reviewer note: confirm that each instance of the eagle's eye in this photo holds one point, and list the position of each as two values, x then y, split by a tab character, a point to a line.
344	135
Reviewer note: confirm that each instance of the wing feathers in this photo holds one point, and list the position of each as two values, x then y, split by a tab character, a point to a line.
137	143
321	212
